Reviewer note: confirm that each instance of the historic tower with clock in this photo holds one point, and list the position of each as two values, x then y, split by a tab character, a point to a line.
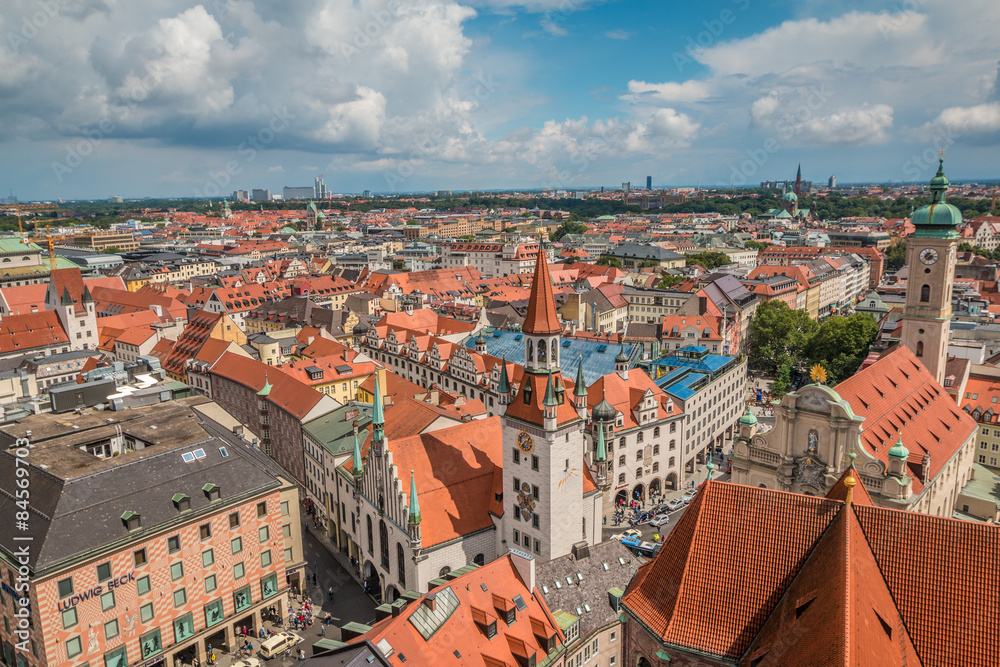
930	256
547	506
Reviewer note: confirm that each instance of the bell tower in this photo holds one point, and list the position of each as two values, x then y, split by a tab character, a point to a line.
930	256
541	324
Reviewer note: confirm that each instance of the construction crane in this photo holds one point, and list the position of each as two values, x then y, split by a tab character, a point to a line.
48	240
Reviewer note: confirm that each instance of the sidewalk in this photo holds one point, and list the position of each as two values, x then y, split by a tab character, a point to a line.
342	559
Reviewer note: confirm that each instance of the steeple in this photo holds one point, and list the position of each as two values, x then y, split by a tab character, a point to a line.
621	364
798	181
503	386
357	468
541	325
580	391
413	522
67	300
378	418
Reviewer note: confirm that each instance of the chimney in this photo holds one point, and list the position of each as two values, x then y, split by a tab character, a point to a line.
430	600
524	563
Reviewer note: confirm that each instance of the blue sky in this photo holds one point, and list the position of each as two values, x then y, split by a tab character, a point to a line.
177	98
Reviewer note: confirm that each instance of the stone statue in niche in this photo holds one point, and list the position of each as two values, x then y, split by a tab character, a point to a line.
813	441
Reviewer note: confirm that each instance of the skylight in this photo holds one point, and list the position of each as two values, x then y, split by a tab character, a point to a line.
224	452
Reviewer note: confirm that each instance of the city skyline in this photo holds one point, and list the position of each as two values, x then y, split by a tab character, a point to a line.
193	100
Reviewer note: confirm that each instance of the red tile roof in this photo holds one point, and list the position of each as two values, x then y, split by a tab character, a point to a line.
287	393
23	333
754	574
196	332
897	394
541	318
461	640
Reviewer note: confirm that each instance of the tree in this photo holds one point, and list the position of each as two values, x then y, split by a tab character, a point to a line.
710	260
610	261
895	256
112	249
568	227
841	344
759	246
778	336
570	260
669	281
782	382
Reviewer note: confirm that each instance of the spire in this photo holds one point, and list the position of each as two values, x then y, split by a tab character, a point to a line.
602	450
87	298
711	467
503	386
67	300
378	417
550	399
541	318
414	502
580	388
357	469
899	450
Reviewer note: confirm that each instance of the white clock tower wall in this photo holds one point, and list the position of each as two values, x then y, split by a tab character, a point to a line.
926	320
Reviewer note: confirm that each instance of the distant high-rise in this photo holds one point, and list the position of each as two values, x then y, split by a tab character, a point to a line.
241	195
649	182
626	186
261	195
366	194
319	189
832	183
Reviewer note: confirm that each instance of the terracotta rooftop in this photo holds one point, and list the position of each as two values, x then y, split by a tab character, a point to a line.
541	318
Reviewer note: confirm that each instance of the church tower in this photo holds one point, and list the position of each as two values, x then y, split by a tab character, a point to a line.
545	511
930	256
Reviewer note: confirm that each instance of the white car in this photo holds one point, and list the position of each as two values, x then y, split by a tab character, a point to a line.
632	532
675	505
659	520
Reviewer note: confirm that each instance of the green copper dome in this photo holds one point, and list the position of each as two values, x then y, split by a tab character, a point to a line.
937	219
789	196
899	451
749	419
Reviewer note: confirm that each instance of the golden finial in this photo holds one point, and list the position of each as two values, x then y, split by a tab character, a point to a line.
818	374
941	153
849	482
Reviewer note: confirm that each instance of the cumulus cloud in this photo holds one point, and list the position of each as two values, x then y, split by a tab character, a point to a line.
976	123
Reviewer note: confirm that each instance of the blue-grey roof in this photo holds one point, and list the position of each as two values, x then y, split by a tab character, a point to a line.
684	384
597	362
709	363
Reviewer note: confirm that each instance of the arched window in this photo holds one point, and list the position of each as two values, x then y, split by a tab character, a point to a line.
401	565
656	466
671	462
444	570
638	472
542	356
638	455
371	541
673	445
639	436
920	348
6	259
925	294
383	544
621	478
621	460
555	349
673	427
656	432
621	443
479	560
531	349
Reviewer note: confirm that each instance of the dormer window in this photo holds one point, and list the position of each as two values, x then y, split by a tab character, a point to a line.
131	520
182	502
212	492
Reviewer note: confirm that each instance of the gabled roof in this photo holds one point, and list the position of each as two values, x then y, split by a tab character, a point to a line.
898	395
286	393
23	333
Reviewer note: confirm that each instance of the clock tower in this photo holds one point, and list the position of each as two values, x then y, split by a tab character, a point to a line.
546	506
930	256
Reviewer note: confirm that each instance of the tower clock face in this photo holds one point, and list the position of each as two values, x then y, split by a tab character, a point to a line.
525	442
928	255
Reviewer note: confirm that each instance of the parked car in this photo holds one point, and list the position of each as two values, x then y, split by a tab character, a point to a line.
674	505
278	643
642	519
691	492
659	520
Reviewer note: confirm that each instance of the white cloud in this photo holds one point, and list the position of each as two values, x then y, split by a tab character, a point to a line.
618	34
975	120
670	92
277	168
